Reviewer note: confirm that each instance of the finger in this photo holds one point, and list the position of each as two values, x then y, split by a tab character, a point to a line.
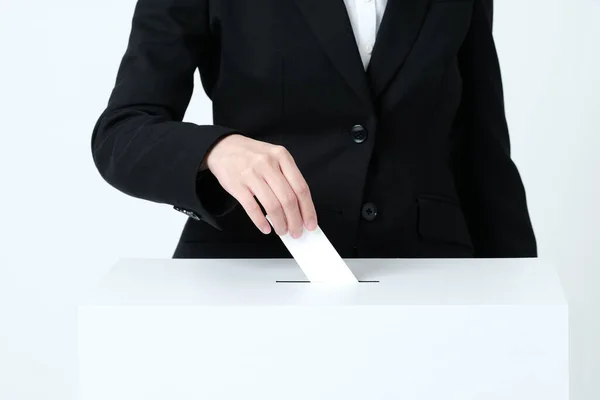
246	199
300	187
287	198
270	203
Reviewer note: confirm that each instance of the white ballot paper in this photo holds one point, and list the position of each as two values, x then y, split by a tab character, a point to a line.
317	257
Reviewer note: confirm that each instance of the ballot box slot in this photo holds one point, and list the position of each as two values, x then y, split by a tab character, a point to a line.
309	281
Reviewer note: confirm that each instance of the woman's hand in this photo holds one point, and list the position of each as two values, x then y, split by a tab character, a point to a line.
246	168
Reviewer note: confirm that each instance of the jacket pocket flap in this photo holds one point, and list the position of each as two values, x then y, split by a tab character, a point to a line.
442	220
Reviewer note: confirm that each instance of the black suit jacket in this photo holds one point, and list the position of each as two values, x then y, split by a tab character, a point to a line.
409	159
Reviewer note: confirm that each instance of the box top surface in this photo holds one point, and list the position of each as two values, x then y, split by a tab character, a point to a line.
279	282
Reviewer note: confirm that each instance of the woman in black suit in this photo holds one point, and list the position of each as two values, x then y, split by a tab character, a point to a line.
405	154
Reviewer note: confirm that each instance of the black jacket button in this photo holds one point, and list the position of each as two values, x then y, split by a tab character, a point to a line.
359	133
369	211
189	213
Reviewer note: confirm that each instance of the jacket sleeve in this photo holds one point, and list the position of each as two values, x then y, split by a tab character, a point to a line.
488	182
140	145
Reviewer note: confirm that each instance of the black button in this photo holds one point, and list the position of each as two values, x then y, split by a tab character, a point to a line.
189	213
359	133
369	211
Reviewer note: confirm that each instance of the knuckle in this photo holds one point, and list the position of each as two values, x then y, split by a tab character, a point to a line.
280	151
261	160
248	172
252	207
289	199
303	190
272	207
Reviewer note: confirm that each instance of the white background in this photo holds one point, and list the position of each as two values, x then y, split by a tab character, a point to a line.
62	226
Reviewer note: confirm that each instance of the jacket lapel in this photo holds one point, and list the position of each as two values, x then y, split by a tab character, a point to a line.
330	23
399	29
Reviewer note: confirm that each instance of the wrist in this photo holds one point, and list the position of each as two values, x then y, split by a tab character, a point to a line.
210	153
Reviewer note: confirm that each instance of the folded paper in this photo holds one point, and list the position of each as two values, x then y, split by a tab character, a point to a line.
317	257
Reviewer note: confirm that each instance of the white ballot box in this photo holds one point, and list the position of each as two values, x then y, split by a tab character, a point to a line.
254	329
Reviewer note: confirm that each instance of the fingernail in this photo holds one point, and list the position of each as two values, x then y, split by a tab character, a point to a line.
311	224
266	229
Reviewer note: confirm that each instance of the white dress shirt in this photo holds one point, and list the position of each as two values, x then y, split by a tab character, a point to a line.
365	17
